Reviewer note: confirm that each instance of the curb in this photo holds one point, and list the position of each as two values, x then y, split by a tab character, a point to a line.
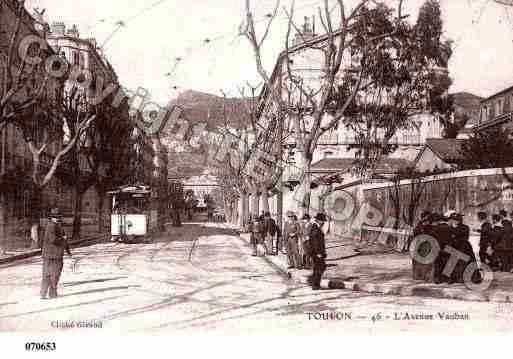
419	290
416	290
37	252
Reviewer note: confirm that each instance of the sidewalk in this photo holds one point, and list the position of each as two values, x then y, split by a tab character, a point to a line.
375	269
89	234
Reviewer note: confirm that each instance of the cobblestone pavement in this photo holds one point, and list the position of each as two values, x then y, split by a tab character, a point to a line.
202	278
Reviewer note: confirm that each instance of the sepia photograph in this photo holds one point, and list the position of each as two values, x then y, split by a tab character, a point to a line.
244	167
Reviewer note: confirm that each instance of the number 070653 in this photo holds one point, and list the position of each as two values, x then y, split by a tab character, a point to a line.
40	346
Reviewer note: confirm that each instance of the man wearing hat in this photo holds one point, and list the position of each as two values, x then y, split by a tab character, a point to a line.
317	250
460	242
53	245
291	233
304	246
443	234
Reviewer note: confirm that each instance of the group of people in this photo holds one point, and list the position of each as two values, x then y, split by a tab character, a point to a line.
447	230
496	240
495	246
302	241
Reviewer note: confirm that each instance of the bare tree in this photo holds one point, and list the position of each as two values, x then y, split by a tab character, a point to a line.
311	102
49	123
22	86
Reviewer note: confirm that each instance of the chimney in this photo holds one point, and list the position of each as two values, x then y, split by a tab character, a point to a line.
58	28
92	41
73	32
307	31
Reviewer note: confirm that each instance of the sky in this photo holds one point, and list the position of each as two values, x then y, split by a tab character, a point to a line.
203	36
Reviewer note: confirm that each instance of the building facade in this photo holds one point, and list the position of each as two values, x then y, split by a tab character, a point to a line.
15	157
305	60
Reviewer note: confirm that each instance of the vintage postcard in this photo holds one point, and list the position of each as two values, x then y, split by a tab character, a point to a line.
255	167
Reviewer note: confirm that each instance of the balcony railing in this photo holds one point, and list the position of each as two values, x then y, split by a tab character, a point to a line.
328	139
292	174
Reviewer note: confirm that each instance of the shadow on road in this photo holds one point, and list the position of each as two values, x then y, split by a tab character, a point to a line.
71	284
101	290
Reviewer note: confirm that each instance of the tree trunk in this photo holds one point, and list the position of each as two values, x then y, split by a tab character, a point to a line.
255	199
240	218
100	205
306	190
35	214
265	200
77	212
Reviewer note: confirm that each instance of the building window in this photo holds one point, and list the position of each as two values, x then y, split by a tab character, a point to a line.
498	109
76	58
82	61
328	154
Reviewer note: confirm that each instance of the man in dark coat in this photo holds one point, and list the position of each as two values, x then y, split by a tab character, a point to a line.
485	240
271	232
504	246
53	245
443	233
422	271
460	242
496	235
317	250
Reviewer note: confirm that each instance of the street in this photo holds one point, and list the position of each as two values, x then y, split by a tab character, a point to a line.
202	278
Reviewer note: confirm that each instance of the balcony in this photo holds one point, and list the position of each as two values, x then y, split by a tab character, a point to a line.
328	139
291	176
411	139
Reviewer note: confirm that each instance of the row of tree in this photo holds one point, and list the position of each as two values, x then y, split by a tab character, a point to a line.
397	69
83	144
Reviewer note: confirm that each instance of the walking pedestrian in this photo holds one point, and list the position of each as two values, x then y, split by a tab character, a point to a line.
317	250
258	235
305	241
54	244
271	233
291	232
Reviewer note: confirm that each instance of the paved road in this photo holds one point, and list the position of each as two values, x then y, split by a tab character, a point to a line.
203	278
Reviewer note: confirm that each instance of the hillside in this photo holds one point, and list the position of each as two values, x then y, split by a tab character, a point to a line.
467	104
216	112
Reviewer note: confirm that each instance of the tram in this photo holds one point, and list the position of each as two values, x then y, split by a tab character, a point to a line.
134	215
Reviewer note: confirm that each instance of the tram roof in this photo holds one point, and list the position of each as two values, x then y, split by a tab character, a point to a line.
136	189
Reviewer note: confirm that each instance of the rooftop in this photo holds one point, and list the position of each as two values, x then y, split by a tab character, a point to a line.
448	149
386	165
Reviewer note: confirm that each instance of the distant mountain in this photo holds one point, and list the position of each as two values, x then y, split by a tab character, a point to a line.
468	104
216	112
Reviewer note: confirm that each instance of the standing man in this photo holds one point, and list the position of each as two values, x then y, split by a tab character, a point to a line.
318	250
497	234
422	271
485	240
305	241
291	232
53	245
461	243
443	234
270	231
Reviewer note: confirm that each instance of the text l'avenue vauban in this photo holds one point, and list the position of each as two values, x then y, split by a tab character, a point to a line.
447	316
431	316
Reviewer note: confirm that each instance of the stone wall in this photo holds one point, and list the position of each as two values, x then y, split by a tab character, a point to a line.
467	192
